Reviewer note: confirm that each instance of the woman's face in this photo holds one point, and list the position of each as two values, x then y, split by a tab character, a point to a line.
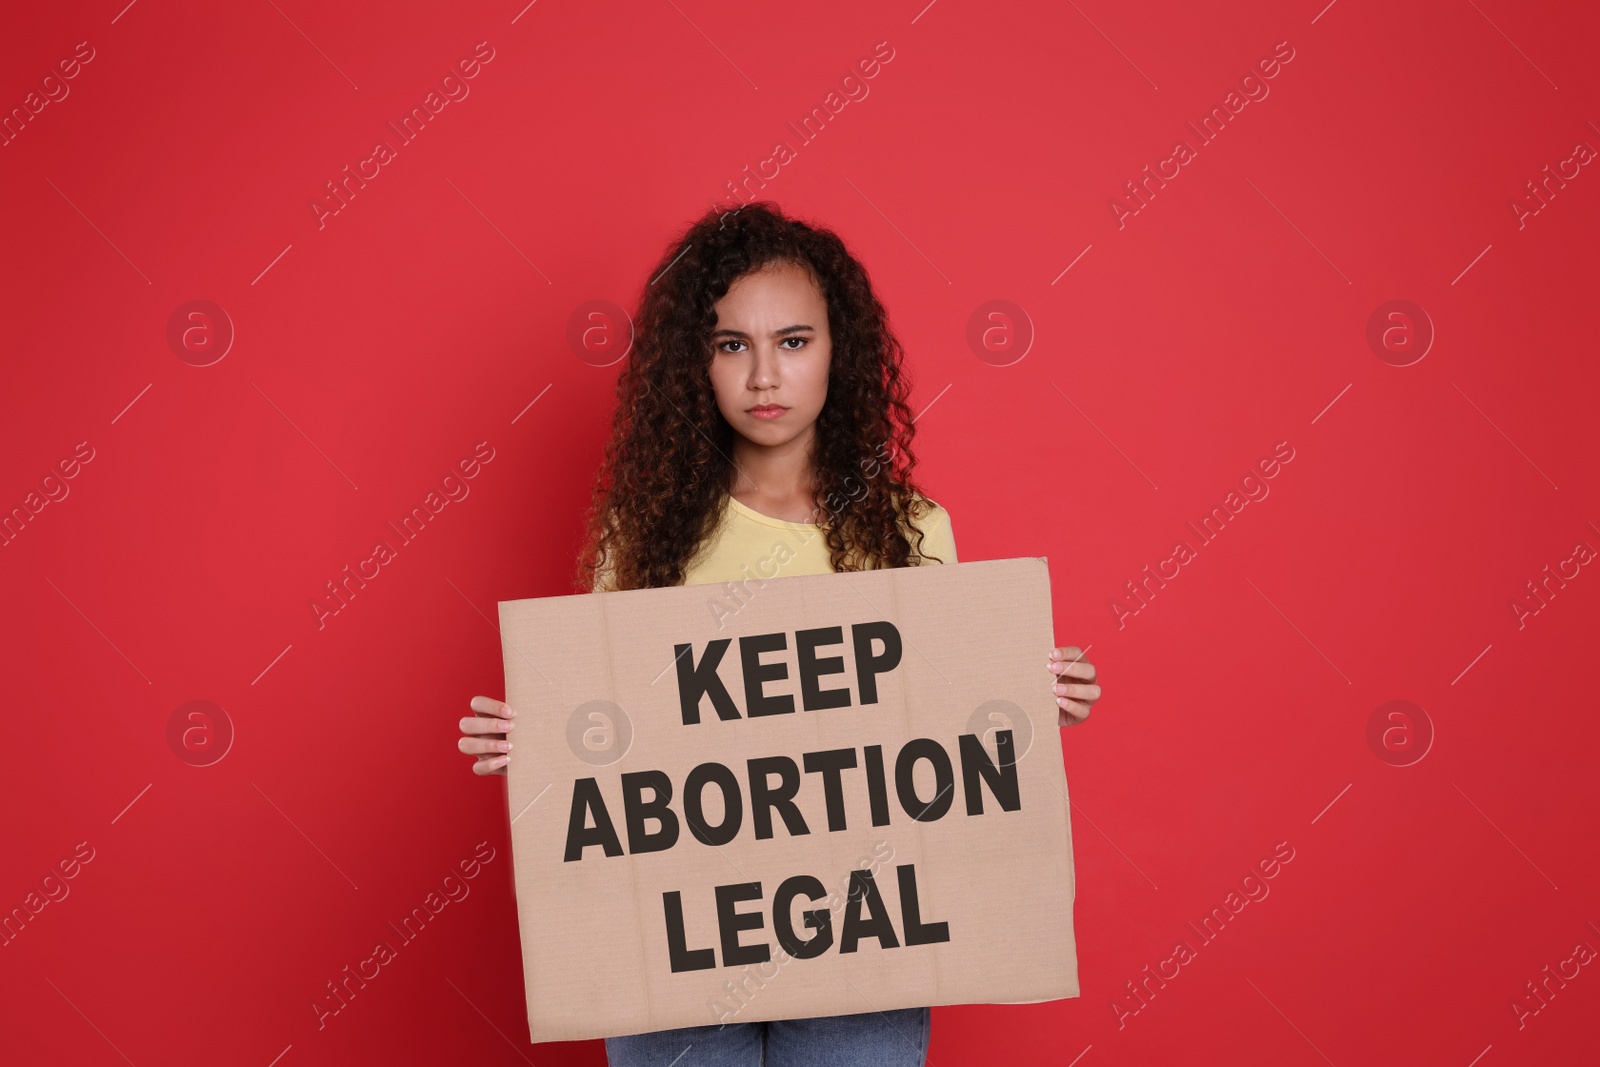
771	348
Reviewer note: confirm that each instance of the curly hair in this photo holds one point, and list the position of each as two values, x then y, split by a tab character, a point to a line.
667	468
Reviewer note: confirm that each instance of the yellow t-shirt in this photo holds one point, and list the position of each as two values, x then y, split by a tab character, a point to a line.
747	546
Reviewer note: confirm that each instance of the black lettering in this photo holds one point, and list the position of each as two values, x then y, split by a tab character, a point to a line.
731	922
758	674
586	798
877	785
818	919
677	950
1002	780
637	811
695	682
869	666
917	931
854	928
764	797
943	779
812	696
829	764
694	810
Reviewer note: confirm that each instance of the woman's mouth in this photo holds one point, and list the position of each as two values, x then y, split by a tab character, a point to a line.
768	411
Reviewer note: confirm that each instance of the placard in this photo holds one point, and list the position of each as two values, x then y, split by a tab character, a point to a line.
804	796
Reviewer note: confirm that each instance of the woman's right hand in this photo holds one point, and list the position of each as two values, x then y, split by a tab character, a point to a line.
484	735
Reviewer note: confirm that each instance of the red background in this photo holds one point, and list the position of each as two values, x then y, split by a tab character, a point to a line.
1228	315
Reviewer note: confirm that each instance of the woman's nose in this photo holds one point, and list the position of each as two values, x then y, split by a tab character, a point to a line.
764	372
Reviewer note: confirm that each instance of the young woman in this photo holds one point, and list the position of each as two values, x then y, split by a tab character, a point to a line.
762	418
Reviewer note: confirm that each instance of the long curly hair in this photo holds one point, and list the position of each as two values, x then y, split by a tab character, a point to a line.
667	469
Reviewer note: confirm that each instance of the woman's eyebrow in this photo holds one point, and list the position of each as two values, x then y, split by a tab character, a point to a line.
776	333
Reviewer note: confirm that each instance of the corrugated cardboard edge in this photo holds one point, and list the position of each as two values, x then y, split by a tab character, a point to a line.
1068	896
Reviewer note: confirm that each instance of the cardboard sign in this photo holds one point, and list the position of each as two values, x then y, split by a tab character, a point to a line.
814	795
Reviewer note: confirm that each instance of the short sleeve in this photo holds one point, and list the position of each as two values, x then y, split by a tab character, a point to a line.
938	538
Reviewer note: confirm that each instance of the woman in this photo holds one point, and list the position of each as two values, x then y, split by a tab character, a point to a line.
762	418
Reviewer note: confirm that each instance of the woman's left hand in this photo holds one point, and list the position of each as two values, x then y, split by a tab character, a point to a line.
1074	689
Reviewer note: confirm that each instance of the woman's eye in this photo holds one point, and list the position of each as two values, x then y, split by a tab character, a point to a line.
801	342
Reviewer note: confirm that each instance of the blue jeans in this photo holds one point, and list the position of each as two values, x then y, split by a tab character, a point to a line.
896	1038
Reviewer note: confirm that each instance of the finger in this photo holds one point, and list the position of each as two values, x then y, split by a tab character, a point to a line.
1086	693
484	724
1066	652
1075	707
483	745
1070	713
491	706
490	765
1082	670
